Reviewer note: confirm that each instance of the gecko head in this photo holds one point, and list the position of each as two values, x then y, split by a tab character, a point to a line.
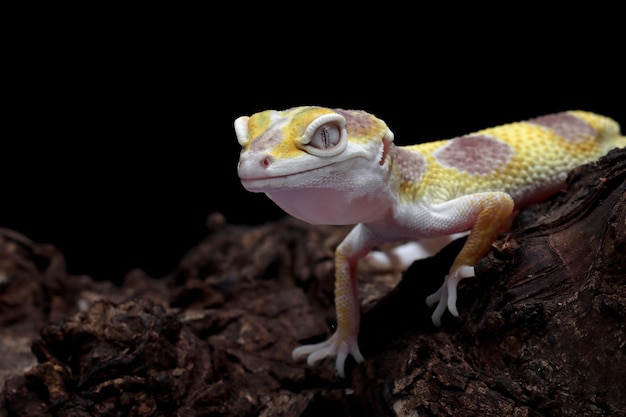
310	148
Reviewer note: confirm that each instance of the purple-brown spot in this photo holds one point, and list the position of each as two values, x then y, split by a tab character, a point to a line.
474	154
566	125
266	140
411	165
358	122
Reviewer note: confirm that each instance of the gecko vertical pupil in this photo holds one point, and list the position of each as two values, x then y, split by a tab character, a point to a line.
326	137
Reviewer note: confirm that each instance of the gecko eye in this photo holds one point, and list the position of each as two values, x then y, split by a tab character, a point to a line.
326	135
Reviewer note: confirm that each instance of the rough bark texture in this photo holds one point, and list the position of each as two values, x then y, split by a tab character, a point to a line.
541	330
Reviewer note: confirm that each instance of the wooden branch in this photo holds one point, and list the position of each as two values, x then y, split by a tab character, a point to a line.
541	330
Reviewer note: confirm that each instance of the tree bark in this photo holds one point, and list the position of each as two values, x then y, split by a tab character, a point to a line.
541	328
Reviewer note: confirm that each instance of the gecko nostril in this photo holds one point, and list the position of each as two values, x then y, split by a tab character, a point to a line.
267	161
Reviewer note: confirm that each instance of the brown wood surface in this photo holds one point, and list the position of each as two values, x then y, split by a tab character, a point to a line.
541	329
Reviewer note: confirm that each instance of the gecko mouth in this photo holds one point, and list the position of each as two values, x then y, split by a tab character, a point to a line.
283	181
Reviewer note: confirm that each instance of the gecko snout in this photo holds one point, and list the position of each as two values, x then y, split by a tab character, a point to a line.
254	165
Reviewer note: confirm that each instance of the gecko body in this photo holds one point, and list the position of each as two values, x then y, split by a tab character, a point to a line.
335	166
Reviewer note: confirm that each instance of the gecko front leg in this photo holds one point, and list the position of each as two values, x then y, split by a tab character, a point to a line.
492	213
344	341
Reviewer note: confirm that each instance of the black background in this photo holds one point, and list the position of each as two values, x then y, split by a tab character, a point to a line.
118	138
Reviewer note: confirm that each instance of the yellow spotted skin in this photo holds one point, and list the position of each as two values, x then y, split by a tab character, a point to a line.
335	166
259	122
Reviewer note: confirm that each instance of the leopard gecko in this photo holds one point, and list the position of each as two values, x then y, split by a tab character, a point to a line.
340	167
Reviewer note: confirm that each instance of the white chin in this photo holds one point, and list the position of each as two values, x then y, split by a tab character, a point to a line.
328	206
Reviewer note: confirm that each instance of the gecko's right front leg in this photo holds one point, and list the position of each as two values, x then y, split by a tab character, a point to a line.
344	341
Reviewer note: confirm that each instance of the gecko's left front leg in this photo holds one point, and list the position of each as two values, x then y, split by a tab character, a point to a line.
344	341
489	214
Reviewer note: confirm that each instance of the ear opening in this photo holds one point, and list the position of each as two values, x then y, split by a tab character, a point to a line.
383	157
387	141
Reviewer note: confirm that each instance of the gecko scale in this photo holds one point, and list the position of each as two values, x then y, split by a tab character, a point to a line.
334	166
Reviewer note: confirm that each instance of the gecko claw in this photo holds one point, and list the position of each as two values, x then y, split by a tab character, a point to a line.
446	296
333	347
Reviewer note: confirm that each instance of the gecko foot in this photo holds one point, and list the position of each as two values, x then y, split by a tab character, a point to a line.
446	295
399	258
335	346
